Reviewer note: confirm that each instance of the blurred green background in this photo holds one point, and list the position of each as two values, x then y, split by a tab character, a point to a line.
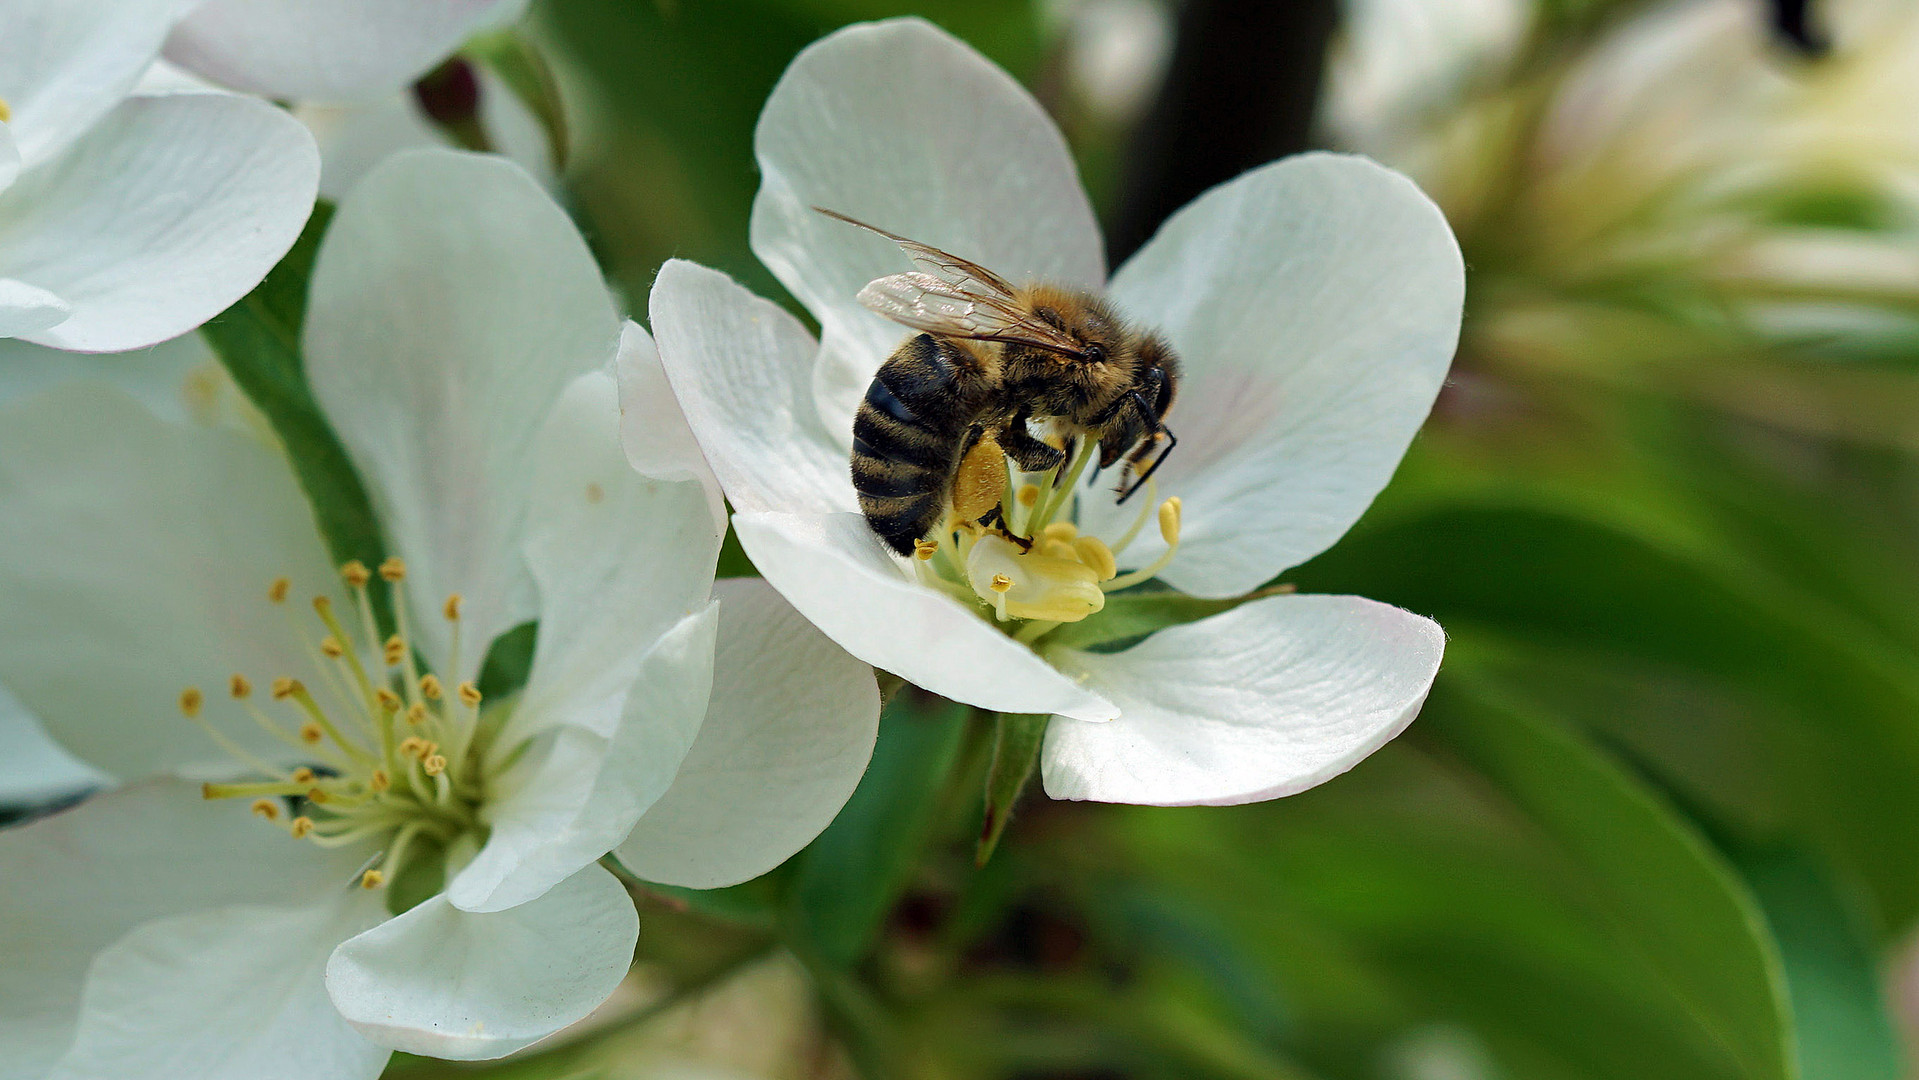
1659	818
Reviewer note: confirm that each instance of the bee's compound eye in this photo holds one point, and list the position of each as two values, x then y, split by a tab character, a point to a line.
1094	354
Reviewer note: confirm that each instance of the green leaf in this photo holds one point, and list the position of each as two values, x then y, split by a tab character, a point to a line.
258	340
846	881
1016	744
1668	895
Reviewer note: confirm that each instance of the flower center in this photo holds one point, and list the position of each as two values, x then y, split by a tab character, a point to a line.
1031	567
386	755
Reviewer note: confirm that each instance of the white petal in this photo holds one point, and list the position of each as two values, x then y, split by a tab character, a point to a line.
1265	700
328	50
168	211
741	368
833	569
786	737
33	768
59	909
903	126
1315	304
64	64
623	662
139	554
29	309
451	304
9	156
179	380
227	993
456	984
653	429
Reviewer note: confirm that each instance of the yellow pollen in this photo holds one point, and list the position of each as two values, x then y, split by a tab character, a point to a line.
416	713
1169	520
372	879
1060	530
277	592
6	113
331	646
1000	583
266	808
379	781
595	494
394	650
300	826
239	687
469	695
356	573
1093	551
430	687
393	570
302	775
317	796
925	549
389	700
206	791
284	688
310	733
452	608
190	701
413	746
434	765
323	605
1028	494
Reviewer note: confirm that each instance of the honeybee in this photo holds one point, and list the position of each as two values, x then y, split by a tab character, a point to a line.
989	358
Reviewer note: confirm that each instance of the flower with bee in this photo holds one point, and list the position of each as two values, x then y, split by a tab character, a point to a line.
1015	435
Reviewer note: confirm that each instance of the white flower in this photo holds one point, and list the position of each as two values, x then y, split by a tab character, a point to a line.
1315	304
458	339
327	50
127	220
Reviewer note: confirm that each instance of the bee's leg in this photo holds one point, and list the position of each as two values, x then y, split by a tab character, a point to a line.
1153	434
1029	453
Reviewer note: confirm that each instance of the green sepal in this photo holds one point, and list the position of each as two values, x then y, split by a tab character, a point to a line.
1136	613
1017	738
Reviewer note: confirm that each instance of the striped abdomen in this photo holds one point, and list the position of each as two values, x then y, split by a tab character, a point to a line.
908	434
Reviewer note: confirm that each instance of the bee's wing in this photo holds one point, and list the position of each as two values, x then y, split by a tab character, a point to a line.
954	297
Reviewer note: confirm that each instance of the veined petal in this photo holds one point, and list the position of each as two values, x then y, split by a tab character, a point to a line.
834	571
623	662
741	368
170	209
653	428
9	156
452	303
888	122
186	853
786	738
467	986
1315	305
327	50
64	64
139	557
1266	700
225	993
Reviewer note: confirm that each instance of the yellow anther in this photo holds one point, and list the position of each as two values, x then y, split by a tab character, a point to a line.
1094	553
207	792
266	808
310	733
300	826
389	700
318	796
430	687
1169	521
331	647
284	688
413	746
1033	584
469	695
452	608
595	494
416	713
925	549
356	573
6	113
372	879
393	569
323	605
434	765
1027	495
301	775
379	781
1060	530
239	687
1054	548
277	592
1000	583
190	701
394	650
